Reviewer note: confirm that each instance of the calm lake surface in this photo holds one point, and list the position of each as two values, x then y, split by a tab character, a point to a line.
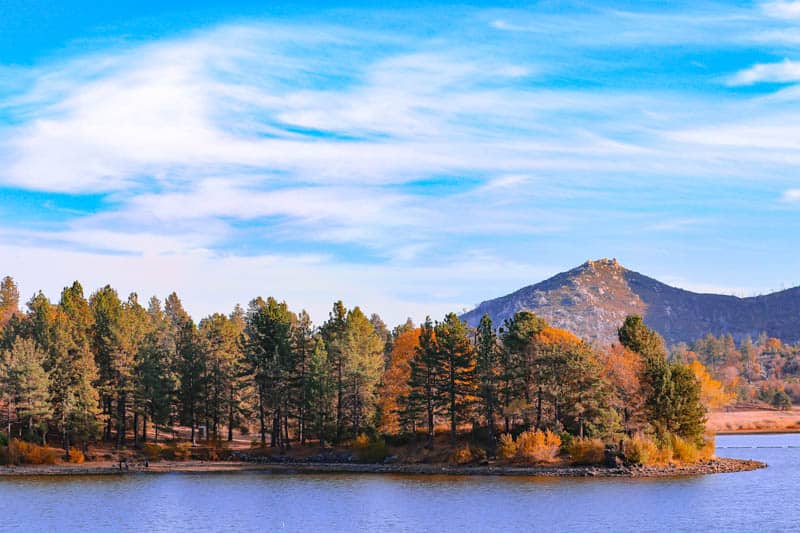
763	500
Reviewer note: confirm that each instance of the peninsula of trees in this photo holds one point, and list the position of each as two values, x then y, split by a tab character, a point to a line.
106	369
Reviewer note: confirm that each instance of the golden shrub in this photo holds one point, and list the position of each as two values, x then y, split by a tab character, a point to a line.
31	454
684	450
76	456
462	455
586	451
507	448
152	451
361	441
641	450
183	451
538	446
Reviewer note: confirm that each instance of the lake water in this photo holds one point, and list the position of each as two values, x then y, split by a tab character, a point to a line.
763	500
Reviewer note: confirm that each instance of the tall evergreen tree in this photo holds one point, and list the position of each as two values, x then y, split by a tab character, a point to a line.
107	311
364	364
320	389
488	368
75	369
29	385
267	347
457	356
672	392
333	332
224	364
521	366
425	381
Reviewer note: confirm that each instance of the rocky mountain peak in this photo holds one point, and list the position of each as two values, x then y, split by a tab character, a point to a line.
593	299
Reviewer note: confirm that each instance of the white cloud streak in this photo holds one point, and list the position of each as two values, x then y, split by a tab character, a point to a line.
784	72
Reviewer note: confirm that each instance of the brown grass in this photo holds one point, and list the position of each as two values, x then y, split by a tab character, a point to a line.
753	420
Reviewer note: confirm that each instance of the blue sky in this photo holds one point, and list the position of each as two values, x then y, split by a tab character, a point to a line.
411	158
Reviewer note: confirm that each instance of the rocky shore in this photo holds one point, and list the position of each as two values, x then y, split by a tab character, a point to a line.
712	466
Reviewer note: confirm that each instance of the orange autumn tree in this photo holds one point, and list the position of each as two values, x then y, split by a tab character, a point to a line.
712	394
623	368
395	380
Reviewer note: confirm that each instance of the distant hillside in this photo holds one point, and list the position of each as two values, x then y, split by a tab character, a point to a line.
593	299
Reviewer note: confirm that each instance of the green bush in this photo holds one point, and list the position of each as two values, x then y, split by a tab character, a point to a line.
781	401
370	450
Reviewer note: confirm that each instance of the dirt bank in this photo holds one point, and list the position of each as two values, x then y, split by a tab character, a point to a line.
713	466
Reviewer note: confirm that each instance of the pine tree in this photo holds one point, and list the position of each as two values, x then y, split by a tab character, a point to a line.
424	381
521	367
29	384
267	347
320	389
457	357
76	399
156	381
333	332
107	310
488	372
191	367
671	390
363	367
224	362
302	345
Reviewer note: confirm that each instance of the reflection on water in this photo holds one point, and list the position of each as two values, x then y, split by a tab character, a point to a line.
763	500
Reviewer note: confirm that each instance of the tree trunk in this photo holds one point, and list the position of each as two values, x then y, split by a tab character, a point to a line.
339	398
230	416
135	428
121	420
429	407
108	412
194	423
261	420
539	407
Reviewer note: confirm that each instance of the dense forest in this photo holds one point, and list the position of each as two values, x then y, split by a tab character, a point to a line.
122	372
761	370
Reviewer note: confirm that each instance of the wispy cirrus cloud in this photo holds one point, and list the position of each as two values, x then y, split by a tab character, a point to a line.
375	154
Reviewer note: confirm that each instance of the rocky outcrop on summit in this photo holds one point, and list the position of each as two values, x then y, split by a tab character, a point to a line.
593	299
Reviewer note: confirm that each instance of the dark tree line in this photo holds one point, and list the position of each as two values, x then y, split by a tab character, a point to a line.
100	367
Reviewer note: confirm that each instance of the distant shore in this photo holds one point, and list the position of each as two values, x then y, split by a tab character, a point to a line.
712	466
753	421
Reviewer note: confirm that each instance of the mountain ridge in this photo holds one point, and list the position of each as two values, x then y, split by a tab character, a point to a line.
592	300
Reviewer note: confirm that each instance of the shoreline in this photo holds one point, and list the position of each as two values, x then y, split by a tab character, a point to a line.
716	465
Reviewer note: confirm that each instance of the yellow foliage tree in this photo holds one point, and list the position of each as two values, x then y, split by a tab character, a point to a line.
395	380
712	393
